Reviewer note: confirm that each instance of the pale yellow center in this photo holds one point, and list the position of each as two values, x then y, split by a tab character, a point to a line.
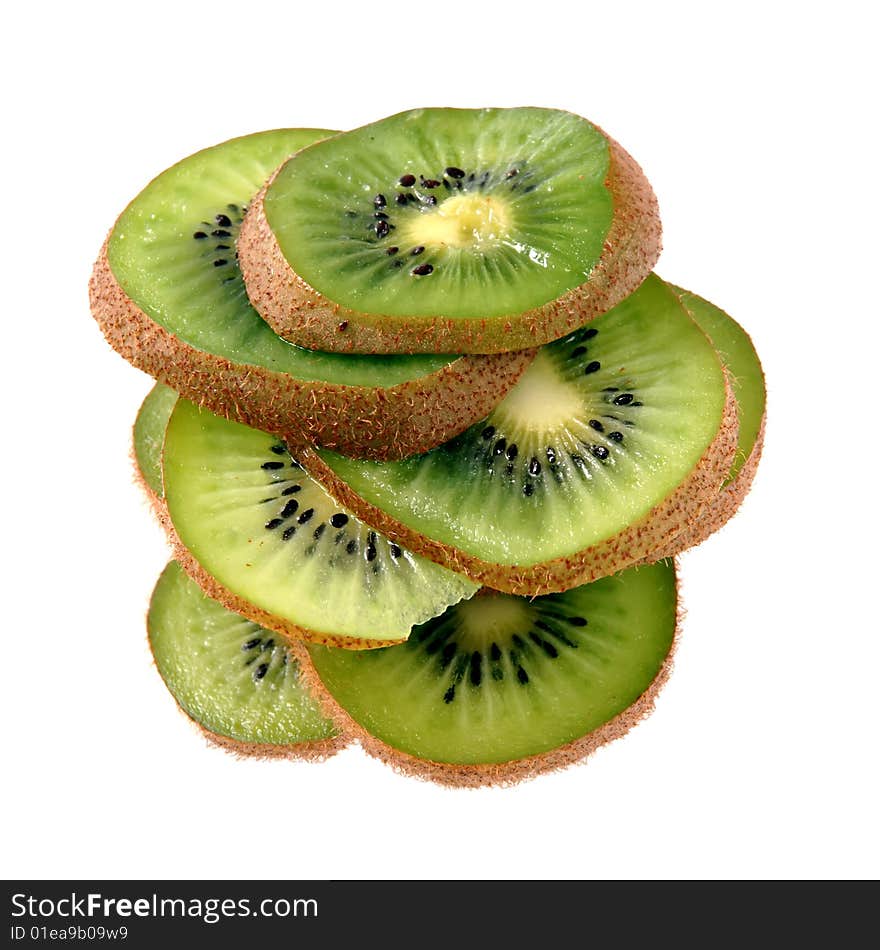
540	401
461	221
491	618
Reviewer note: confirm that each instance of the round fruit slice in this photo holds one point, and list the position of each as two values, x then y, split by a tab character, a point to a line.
168	294
268	542
149	434
232	678
501	688
609	446
463	230
747	379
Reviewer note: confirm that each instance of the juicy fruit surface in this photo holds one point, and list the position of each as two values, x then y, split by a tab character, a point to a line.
173	253
746	376
149	434
449	212
271	535
602	427
228	674
499	678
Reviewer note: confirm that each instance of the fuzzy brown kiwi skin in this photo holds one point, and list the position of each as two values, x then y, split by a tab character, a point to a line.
293	633
645	540
361	421
299	313
499	773
312	751
724	506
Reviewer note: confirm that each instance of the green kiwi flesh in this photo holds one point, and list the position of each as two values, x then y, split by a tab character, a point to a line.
269	542
746	375
503	687
236	680
603	426
169	296
478	231
149	434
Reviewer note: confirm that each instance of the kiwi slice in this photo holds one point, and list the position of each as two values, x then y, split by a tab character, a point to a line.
746	375
168	294
470	230
149	434
267	541
234	679
612	442
501	688
747	379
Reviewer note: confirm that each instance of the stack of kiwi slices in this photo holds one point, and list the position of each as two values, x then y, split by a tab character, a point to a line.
427	435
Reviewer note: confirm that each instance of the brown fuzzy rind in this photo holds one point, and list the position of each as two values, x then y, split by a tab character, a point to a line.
312	751
641	541
299	313
724	506
361	421
156	503
498	773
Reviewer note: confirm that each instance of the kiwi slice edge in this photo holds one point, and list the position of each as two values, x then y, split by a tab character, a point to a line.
744	367
147	436
738	353
187	633
514	770
366	421
302	315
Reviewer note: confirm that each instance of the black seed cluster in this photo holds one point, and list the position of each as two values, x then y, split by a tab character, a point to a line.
486	448
419	192
456	664
219	240
292	518
255	650
615	397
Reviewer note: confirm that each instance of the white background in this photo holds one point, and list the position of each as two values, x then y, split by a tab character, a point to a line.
757	126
